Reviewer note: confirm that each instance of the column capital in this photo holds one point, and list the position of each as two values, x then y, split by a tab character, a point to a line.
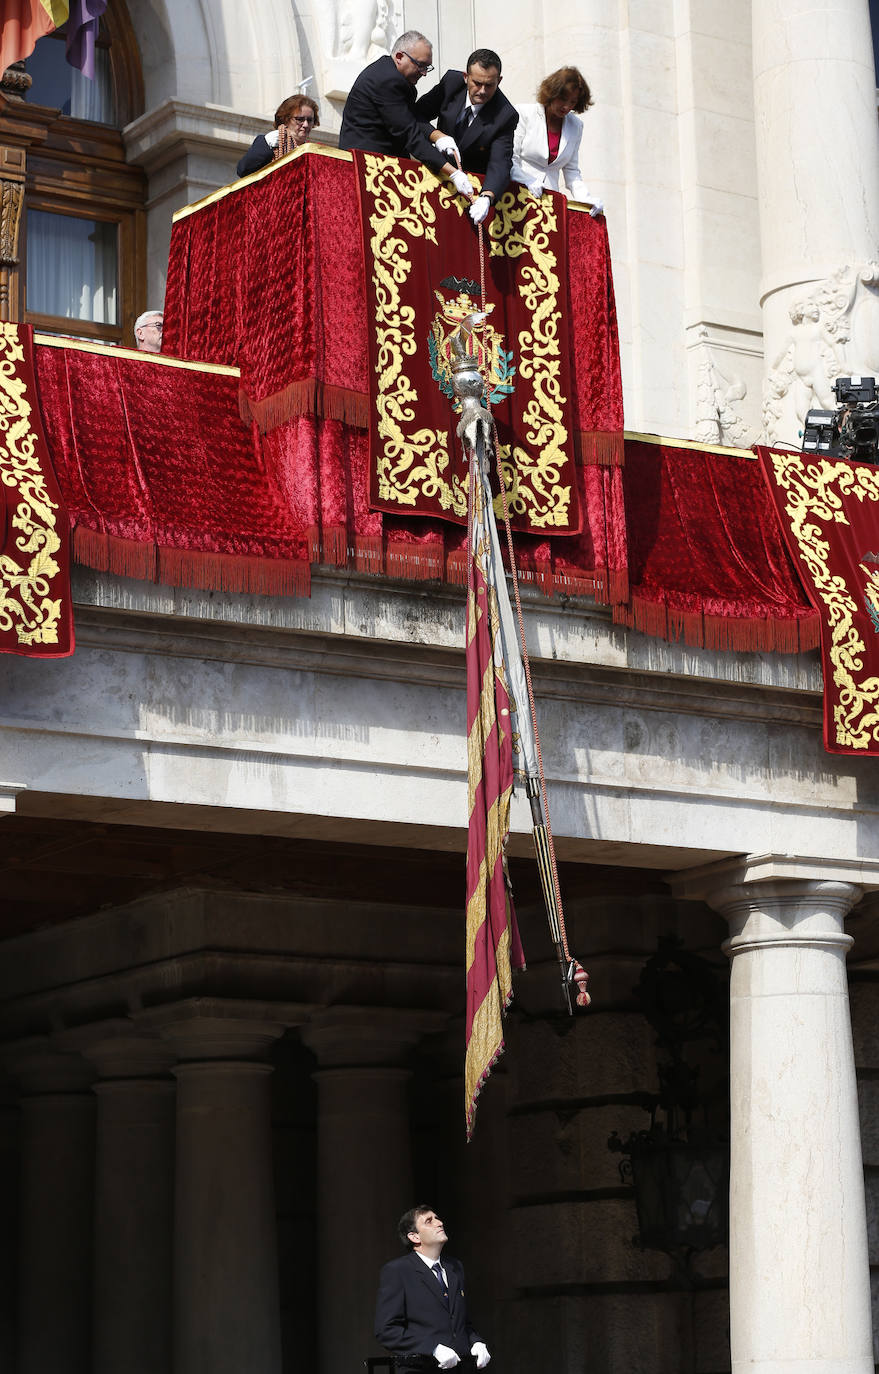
780	900
698	884
359	1037
118	1049
42	1069
221	1028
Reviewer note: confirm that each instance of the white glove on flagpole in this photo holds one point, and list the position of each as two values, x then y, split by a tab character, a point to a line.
480	1353
597	208
479	209
536	188
462	184
447	144
445	1357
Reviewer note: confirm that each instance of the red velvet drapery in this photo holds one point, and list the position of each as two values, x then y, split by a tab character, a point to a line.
268	275
828	511
163	480
36	609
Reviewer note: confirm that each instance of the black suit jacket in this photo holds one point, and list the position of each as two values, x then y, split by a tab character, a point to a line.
487	146
379	116
410	1315
259	154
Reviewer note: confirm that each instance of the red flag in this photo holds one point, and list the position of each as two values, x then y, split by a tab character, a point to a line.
493	945
23	23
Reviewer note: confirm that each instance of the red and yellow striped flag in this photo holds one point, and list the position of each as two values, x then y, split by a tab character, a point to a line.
24	22
493	945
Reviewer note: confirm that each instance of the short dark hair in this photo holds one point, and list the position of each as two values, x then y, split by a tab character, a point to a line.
484	57
566	81
288	107
409	1222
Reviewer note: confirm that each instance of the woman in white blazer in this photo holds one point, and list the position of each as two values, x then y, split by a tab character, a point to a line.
547	138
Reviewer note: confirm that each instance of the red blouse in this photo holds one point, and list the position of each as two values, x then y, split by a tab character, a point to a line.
554	137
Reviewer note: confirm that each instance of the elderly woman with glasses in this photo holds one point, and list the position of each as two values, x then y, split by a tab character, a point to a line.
295	118
547	138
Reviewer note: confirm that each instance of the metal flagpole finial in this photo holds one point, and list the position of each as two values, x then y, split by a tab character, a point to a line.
469	384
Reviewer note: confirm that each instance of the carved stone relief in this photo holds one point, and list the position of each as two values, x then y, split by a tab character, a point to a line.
352	34
718	390
834	332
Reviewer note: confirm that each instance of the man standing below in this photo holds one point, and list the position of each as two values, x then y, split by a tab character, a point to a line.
379	114
421	1310
470	106
148	331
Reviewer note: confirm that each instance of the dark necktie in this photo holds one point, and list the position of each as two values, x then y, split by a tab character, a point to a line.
464	119
437	1270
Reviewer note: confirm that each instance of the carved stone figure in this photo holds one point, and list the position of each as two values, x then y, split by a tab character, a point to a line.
834	333
352	34
717	391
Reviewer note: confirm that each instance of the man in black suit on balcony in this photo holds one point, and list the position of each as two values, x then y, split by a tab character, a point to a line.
421	1311
380	117
469	106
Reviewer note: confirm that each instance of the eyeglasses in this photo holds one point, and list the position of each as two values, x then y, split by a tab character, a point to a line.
302	119
423	67
154	324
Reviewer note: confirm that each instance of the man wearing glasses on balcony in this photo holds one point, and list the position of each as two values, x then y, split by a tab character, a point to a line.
295	118
148	331
380	117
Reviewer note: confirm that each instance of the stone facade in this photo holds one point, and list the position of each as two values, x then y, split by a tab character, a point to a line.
231	991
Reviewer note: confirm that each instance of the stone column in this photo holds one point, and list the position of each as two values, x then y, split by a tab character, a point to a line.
55	1210
226	1309
364	1165
134	1194
9	1172
818	189
799	1273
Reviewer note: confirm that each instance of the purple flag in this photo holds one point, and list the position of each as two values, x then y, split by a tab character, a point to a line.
82	30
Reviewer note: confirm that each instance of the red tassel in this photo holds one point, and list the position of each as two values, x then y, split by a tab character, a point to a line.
368	553
599	448
306	397
90	547
334	546
234	572
414	562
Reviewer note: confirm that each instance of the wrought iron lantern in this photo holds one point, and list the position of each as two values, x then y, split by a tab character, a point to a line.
679	1167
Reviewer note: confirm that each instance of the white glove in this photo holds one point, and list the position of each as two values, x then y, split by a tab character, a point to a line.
272	137
536	188
447	144
479	209
597	208
446	1358
480	1353
462	184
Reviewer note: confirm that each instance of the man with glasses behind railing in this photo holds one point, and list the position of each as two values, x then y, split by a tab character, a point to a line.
295	118
379	114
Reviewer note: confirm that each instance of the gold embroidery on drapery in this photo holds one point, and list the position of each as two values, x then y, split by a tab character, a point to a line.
815	488
414	462
28	566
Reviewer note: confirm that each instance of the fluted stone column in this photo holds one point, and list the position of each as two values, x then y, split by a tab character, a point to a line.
364	1165
134	1195
799	1273
818	190
226	1306
55	1210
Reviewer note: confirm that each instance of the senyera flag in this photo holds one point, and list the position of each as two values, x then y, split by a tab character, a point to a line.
498	745
24	22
